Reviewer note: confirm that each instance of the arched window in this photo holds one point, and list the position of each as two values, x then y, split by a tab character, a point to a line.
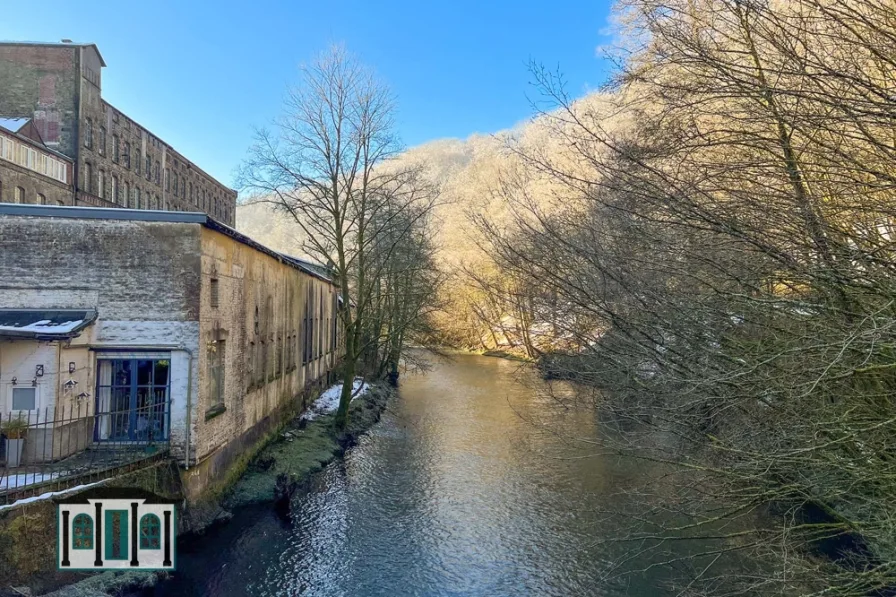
82	532
150	532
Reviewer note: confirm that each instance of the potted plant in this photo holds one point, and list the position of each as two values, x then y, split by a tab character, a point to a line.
14	430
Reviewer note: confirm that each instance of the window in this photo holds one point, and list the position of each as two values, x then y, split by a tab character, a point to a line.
24	398
213	292
41	199
82	532
175	182
19	196
137	163
216	353
101	185
148	166
87	183
306	331
156	173
88	134
279	363
136	203
133	394
116	153
191	191
334	319
126	196
102	148
115	189
150	532
127	155
167	179
183	187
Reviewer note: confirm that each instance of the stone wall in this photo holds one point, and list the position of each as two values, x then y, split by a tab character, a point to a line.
34	186
42	82
257	325
28	532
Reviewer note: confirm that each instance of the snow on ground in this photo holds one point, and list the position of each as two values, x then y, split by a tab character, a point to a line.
328	402
50	494
25	479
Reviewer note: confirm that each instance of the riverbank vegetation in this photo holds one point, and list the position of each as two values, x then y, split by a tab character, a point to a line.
711	241
305	446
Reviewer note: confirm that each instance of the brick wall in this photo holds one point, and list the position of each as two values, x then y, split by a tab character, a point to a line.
33	184
194	190
42	82
255	386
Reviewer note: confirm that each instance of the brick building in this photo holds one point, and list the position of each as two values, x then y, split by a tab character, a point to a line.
164	327
31	172
117	162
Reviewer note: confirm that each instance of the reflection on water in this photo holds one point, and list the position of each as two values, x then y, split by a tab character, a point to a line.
470	485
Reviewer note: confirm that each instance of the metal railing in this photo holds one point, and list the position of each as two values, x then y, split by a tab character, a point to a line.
45	450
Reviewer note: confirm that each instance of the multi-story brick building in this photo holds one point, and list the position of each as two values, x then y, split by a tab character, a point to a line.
116	161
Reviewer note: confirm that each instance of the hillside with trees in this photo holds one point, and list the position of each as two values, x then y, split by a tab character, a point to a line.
711	243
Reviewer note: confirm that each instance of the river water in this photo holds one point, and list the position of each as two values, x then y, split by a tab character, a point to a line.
470	485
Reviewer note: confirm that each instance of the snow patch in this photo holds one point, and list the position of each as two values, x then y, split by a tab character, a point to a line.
50	494
25	479
328	402
44	326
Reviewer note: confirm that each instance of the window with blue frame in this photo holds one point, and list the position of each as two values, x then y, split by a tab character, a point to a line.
82	532
150	532
133	399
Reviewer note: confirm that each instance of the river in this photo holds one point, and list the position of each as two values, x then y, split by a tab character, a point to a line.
469	485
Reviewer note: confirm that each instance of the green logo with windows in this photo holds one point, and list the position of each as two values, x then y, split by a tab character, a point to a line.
116	528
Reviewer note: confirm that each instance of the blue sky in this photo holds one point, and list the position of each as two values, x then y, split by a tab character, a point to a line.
202	74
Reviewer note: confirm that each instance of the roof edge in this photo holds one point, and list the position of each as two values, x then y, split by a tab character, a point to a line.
148	215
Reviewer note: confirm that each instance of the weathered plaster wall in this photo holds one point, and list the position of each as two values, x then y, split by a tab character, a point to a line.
141	277
259	317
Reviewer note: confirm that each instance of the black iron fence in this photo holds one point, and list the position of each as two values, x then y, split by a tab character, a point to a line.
45	450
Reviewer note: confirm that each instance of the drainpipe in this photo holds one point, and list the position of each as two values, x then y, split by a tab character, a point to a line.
189	404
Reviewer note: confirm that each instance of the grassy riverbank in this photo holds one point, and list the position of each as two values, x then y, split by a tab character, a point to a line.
305	447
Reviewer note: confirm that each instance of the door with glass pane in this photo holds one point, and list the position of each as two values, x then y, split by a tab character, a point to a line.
133	400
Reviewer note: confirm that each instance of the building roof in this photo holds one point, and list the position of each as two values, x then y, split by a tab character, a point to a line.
146	215
44	324
67	44
13	125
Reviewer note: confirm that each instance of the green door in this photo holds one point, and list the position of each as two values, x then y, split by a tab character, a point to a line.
116	539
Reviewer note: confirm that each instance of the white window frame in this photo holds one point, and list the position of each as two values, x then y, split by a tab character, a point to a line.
37	398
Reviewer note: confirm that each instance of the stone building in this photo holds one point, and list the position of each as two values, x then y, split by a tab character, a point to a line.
162	328
30	172
117	162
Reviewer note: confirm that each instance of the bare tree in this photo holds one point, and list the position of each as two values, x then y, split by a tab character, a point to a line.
326	163
727	272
